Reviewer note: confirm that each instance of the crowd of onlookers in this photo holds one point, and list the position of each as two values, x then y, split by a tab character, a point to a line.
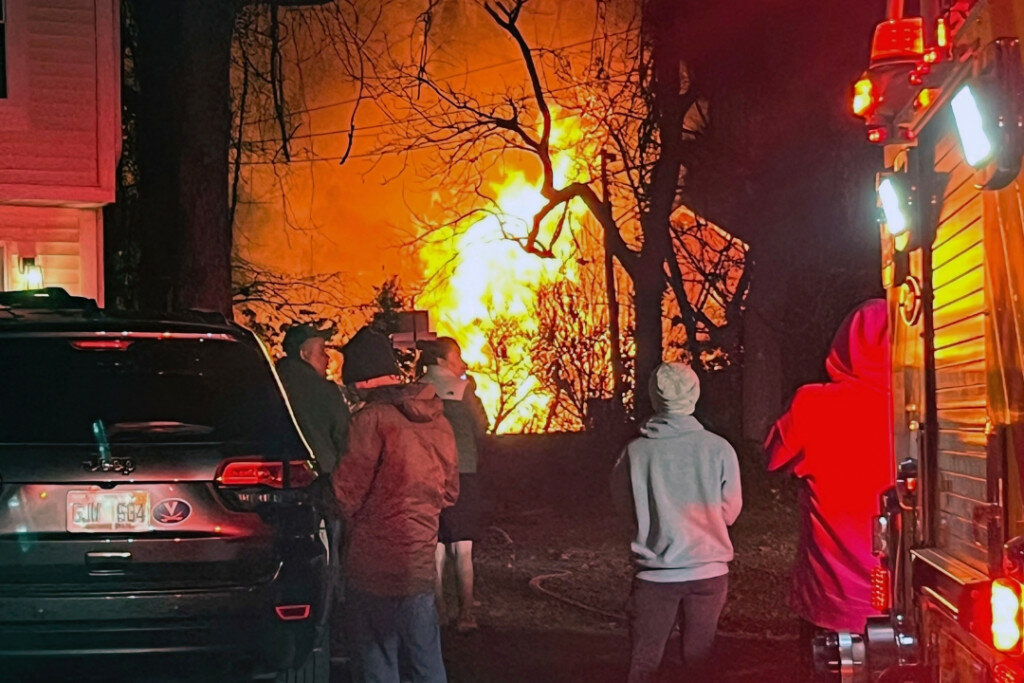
403	498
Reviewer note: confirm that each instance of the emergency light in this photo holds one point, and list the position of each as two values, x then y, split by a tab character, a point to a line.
864	101
993	612
988	112
970	127
895	202
1006	616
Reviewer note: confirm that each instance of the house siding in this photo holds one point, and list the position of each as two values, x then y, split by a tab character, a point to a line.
66	242
60	138
60	124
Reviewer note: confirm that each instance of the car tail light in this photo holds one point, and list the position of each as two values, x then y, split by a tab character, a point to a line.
880	582
292	612
101	344
275	474
1007	625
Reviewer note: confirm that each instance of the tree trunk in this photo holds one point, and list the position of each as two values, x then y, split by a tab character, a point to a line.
649	288
183	69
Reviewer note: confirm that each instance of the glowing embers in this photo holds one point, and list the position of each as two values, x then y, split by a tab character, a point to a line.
1006	615
970	128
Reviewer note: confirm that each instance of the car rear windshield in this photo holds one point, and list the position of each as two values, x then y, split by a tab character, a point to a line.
54	389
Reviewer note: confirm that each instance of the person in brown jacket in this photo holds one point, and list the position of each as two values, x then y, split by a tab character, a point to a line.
400	470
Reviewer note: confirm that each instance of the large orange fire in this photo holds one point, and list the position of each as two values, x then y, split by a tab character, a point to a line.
482	280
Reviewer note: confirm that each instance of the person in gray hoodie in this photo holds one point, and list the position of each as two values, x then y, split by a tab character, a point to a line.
679	485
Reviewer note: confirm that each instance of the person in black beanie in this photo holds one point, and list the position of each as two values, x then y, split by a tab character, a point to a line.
400	470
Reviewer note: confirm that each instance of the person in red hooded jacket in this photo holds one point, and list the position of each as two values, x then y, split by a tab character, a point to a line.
836	438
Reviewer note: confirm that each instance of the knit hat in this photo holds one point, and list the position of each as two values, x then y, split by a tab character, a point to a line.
674	388
297	335
368	355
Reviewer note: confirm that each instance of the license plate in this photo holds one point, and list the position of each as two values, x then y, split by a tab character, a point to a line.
98	511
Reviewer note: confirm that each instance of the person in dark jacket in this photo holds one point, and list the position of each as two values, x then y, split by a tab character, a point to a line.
317	402
400	470
321	412
442	367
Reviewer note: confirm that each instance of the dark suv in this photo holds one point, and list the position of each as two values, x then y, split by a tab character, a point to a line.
154	496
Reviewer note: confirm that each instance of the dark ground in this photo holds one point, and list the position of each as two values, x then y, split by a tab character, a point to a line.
553	573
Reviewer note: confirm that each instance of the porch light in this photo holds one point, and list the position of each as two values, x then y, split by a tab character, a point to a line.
970	127
32	274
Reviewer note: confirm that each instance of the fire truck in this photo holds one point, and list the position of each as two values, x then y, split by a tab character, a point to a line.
944	97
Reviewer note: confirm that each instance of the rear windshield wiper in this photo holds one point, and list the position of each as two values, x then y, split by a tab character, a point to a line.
157	428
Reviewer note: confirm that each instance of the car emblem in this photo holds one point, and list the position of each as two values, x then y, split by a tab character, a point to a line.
171	511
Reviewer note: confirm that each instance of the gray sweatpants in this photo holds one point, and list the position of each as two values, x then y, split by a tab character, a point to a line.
655	608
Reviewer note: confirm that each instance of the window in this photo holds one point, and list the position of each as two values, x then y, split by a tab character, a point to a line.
52	392
3	51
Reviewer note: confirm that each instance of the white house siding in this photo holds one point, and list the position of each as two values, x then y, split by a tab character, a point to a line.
66	242
59	138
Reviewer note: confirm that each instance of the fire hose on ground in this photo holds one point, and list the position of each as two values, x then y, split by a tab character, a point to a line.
536	584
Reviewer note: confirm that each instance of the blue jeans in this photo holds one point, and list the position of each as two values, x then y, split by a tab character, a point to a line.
384	629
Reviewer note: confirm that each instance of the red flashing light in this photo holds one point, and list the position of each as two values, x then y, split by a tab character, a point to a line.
878	134
880	581
266	473
931	56
864	100
941	33
915	78
292	612
1006	625
1003	672
101	344
898	39
924	98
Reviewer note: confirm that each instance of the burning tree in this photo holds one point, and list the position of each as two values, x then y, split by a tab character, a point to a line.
571	352
628	92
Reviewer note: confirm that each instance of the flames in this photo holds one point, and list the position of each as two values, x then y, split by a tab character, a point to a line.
483	285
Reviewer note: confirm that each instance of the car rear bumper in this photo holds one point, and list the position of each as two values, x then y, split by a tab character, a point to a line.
240	622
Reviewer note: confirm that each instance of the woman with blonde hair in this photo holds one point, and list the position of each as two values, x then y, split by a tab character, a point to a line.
441	365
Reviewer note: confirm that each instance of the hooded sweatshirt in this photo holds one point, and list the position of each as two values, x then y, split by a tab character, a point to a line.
463	409
681	485
399	472
836	438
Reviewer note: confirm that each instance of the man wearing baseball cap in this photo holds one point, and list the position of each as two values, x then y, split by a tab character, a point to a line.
317	402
